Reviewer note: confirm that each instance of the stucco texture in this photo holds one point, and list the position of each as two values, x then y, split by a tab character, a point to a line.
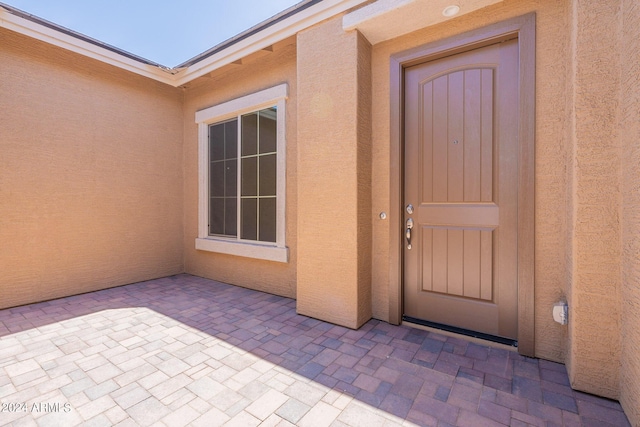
261	71
596	231
334	197
90	174
630	145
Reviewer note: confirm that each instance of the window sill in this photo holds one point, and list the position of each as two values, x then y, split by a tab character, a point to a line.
248	250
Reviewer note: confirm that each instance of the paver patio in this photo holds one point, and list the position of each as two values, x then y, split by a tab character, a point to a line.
184	350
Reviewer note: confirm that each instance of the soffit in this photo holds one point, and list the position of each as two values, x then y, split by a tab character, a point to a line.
387	19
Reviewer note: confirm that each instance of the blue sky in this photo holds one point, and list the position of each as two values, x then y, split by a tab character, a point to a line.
167	32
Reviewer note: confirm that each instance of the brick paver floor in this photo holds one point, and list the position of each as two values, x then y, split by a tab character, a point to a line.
184	350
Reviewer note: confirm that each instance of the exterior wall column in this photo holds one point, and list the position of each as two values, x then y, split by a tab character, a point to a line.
334	175
630	148
594	298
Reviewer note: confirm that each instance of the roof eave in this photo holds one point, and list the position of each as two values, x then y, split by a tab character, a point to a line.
40	29
273	30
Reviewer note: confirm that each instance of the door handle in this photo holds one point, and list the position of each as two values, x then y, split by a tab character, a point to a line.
408	232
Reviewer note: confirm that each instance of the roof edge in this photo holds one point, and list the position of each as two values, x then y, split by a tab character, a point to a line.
281	26
277	28
298	7
40	29
64	30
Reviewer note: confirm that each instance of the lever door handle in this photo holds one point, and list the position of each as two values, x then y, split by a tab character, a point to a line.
408	232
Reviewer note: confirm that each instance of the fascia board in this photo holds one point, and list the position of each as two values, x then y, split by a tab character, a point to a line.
178	77
56	38
275	33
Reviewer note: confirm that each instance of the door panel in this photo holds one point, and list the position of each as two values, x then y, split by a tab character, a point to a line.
452	262
461	176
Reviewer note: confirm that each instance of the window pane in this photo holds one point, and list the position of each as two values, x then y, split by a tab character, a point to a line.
230	216
250	176
216	142
268	220
231	177
249	219
268	175
268	130
216	179
223	178
255	173
250	134
216	215
231	139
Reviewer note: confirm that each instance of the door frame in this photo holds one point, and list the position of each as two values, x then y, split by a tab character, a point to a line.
522	28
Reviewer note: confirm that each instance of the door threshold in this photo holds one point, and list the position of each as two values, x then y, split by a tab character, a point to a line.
466	334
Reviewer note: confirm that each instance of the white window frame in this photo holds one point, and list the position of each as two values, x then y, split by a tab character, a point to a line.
278	251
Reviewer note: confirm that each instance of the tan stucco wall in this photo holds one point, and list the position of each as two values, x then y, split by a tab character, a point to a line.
90	174
334	196
595	320
630	146
265	70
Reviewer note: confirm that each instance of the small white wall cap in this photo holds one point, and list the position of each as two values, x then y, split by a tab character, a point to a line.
561	313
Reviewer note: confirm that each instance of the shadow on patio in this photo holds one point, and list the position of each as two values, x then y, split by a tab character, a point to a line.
184	350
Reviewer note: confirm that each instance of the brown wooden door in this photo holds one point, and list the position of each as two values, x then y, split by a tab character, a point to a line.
461	176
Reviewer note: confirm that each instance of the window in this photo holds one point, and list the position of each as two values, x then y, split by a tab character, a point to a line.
242	176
